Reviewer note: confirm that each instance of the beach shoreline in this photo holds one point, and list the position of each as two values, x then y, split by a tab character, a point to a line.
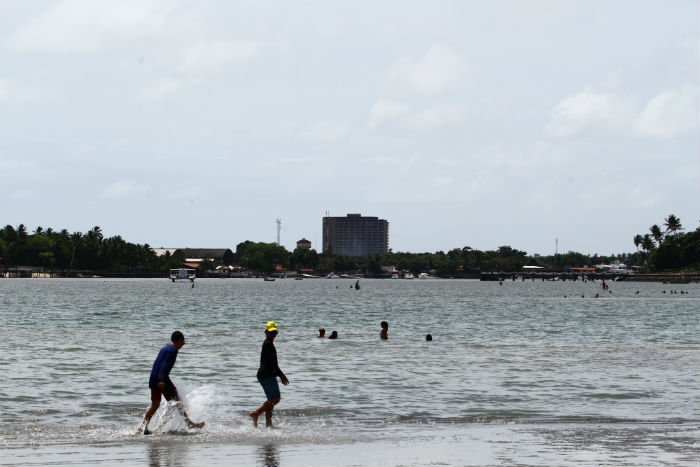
492	444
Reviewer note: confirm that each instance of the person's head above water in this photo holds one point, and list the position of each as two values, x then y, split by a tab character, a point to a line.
321	332
334	335
178	339
384	333
271	329
428	337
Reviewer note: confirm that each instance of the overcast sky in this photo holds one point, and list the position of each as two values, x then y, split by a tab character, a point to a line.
465	123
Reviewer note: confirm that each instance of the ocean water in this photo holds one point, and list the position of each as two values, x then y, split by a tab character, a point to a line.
523	373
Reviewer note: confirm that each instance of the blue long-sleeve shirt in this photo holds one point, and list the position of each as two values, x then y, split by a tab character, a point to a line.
162	366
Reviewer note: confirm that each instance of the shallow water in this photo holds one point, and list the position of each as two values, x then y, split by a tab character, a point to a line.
528	373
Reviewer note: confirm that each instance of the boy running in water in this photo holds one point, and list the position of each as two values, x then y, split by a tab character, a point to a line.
160	382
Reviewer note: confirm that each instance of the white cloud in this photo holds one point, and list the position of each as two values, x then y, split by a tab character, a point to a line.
435	116
386	110
325	132
84	25
124	189
212	54
666	115
585	111
670	113
441	69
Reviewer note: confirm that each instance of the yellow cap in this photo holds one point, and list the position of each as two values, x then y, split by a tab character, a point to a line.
271	326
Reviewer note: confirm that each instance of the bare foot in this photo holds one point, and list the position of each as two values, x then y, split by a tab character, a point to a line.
254	416
197	425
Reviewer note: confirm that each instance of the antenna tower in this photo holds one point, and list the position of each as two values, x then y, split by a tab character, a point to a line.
279	227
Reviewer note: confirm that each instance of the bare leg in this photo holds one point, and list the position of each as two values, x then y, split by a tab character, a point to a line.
190	423
149	414
181	407
266	407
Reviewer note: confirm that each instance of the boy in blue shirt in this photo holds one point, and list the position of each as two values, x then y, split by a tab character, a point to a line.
160	382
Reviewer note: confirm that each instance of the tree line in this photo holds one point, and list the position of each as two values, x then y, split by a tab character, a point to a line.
669	249
62	251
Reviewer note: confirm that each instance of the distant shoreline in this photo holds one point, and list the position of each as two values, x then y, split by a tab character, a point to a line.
563	276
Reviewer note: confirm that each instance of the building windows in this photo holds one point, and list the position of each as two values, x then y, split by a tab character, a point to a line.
355	235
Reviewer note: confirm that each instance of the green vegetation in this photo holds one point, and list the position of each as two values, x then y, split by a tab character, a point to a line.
65	253
466	262
669	249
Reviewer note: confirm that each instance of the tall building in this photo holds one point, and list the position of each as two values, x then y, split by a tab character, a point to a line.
355	235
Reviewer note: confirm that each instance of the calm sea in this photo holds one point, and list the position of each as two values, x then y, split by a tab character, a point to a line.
526	373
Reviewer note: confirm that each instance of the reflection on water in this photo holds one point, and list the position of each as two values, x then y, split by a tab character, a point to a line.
269	455
167	455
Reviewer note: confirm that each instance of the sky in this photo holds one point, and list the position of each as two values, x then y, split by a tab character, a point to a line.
542	124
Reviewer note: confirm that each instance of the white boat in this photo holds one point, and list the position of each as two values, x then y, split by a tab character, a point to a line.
408	275
183	274
423	275
332	275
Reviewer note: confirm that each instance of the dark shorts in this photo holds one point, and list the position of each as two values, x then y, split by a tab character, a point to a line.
169	394
271	388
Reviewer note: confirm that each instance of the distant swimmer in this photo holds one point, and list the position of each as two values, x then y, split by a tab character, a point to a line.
321	333
267	376
357	285
428	337
160	382
334	335
384	333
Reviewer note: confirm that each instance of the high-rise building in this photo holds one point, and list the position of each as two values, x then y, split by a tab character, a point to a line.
355	235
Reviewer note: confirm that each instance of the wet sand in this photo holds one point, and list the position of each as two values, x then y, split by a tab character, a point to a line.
424	445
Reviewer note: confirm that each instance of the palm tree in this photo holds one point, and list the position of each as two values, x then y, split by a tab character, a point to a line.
638	241
647	243
656	233
673	224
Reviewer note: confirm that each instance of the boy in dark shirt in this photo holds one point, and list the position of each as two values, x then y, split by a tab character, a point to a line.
160	382
267	376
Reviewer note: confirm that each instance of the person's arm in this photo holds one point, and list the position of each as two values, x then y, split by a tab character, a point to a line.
278	371
164	371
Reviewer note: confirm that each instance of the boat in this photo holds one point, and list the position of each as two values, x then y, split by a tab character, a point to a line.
183	274
423	275
332	275
408	275
268	279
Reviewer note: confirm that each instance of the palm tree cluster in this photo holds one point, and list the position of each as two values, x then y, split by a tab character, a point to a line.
670	248
64	251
